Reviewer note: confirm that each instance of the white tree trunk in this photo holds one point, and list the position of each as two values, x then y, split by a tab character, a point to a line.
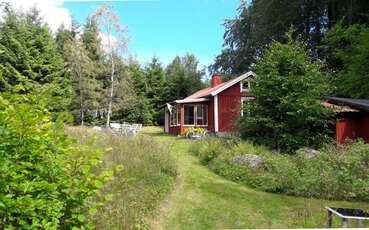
111	93
110	103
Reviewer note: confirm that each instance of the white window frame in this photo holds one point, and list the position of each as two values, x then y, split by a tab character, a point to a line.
248	85
242	100
178	122
195	115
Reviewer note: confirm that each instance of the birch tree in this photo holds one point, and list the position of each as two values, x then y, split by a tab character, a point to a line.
116	43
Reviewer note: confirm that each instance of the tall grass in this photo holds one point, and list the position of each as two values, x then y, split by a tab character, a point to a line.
148	175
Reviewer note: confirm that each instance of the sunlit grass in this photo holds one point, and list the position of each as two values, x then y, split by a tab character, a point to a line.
200	199
147	177
203	200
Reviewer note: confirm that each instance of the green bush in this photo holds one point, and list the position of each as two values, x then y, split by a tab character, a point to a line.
286	112
45	181
338	172
209	149
148	175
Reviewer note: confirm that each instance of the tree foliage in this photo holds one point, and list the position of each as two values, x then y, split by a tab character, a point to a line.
45	181
86	87
261	22
286	112
29	59
349	58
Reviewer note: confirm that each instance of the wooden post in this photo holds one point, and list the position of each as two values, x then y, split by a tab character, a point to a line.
181	112
359	223
330	216
344	223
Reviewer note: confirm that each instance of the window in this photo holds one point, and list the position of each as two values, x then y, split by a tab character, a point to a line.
189	115
246	84
174	116
201	115
246	103
196	115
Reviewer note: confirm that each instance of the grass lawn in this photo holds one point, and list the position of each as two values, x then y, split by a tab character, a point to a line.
204	200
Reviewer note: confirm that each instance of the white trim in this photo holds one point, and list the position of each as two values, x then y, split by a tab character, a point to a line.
191	100
232	82
178	116
166	120
346	217
245	99
216	124
195	125
242	100
248	86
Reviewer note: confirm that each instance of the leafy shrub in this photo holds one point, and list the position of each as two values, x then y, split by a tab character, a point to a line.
286	112
45	181
148	175
338	172
209	149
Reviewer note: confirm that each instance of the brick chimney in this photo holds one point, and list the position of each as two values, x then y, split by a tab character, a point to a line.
216	79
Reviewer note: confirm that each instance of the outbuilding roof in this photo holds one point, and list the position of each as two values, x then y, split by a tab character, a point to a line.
360	104
202	95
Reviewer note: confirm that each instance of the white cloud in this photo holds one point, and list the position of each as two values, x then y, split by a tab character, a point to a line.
105	41
52	11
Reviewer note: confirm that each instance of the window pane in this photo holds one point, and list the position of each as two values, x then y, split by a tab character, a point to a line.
201	118
189	114
246	107
245	85
174	116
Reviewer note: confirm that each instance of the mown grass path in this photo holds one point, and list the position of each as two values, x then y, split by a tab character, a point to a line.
203	200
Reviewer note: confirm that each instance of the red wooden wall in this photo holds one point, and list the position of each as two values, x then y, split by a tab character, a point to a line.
352	126
364	127
229	108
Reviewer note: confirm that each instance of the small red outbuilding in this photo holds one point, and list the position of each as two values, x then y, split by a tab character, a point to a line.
215	108
352	121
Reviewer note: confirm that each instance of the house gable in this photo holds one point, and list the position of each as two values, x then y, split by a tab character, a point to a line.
233	82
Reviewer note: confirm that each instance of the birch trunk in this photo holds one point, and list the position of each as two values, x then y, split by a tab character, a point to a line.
110	103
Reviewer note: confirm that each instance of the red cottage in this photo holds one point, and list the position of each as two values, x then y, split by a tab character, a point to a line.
215	109
352	119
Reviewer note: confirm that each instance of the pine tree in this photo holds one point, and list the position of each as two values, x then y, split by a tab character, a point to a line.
30	62
85	86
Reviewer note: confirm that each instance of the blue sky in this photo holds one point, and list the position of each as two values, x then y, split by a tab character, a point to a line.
166	28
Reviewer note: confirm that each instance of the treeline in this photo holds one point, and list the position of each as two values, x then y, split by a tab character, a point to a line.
335	32
78	74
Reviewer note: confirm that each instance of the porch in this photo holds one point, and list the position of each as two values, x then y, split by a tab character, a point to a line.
181	116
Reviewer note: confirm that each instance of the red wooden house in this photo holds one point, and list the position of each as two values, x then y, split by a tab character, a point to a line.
215	108
352	119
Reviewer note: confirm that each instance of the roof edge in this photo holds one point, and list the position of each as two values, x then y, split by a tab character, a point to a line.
354	103
191	100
